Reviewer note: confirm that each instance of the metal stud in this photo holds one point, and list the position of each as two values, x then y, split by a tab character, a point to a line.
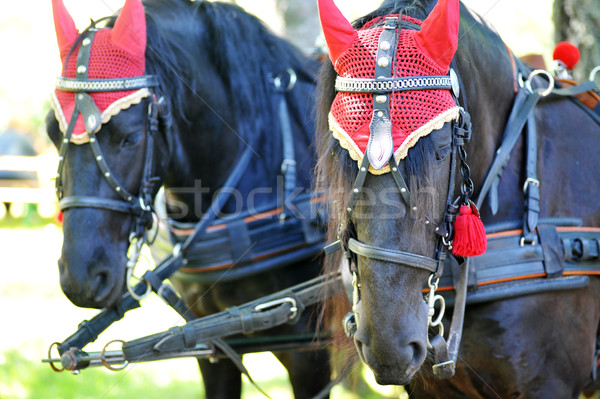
403	190
414	208
86	41
81	69
91	120
128	198
363	169
380	114
385	45
356	190
93	140
99	158
383	62
394	169
349	209
118	188
80	96
61	158
65	141
427	222
381	99
107	174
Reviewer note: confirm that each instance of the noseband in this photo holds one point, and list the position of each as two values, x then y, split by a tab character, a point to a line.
381	87
139	206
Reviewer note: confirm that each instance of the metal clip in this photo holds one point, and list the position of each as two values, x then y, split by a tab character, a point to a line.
133	256
432	298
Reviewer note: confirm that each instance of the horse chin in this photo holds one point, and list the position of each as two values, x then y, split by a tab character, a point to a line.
389	374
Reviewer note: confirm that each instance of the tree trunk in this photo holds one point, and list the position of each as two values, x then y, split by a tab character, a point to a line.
578	21
301	22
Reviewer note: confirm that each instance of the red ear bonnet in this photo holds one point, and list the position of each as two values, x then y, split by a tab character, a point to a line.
426	52
66	33
438	37
115	53
338	32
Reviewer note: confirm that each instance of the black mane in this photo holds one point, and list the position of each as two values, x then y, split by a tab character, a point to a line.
180	33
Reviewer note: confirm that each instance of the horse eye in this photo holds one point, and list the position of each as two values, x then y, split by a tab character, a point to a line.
131	139
442	152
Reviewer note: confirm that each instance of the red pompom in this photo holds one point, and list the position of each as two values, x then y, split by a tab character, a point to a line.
59	217
568	53
469	233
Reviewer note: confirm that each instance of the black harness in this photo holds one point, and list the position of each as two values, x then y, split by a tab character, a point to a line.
295	233
580	247
381	87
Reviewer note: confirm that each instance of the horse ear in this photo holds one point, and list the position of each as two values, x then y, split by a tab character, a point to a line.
129	31
66	32
339	33
438	37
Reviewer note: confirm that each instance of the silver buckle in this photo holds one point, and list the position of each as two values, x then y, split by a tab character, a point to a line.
530	180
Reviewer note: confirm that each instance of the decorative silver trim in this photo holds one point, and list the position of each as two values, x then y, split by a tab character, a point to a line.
99	85
387	85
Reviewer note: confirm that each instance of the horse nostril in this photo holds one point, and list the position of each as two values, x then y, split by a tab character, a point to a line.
419	353
102	286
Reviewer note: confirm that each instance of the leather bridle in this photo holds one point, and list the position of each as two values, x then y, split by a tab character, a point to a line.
380	88
140	205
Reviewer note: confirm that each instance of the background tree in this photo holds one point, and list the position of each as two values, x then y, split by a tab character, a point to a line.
300	21
578	21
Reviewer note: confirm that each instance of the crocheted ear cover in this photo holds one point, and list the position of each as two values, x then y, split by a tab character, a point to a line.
414	114
115	53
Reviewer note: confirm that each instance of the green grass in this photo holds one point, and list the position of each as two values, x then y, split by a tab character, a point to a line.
23	378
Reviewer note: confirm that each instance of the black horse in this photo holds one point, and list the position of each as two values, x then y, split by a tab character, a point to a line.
534	343
223	91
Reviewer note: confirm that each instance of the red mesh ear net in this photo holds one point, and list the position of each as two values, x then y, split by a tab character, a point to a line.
107	61
115	54
409	110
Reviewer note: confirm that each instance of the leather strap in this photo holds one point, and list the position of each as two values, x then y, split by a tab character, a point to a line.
531	187
512	133
392	256
380	147
282	307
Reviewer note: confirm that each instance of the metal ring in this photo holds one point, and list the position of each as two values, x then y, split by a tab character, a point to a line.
278	79
103	356
50	358
546	91
593	73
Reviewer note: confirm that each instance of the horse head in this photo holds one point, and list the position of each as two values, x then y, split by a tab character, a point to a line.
396	112
108	125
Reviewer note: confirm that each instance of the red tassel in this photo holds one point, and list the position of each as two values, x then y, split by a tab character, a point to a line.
59	217
469	233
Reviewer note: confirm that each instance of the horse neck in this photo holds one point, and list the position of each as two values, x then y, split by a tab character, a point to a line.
208	148
485	65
